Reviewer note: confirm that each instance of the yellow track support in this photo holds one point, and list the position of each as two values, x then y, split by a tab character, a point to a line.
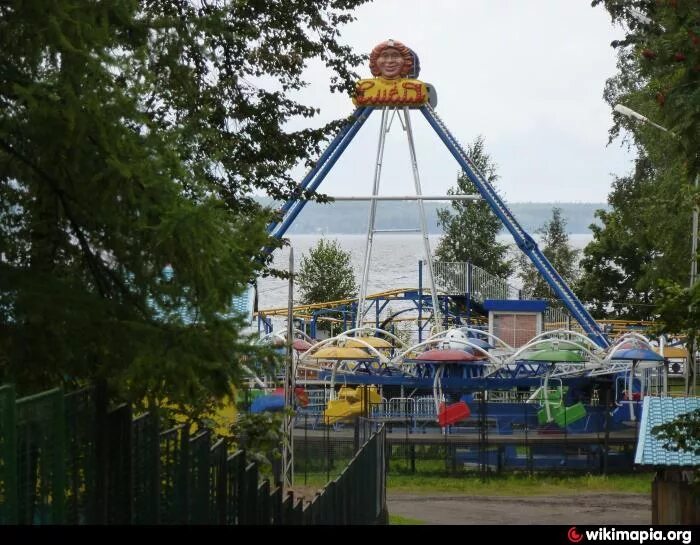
282	311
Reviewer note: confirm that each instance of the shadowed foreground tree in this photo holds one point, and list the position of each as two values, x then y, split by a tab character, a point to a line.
133	134
644	237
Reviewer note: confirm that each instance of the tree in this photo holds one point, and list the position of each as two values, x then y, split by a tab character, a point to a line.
556	248
326	274
658	75
132	135
679	314
659	65
471	227
643	238
646	235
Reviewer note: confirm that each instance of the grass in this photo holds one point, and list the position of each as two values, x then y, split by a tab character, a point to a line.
396	520
520	484
509	484
676	386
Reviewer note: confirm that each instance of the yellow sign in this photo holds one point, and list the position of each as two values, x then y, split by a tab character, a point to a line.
390	92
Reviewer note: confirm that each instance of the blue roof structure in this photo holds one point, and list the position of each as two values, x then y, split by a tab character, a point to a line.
243	304
656	411
516	305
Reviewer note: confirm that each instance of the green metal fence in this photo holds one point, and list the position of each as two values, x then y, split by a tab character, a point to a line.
40	458
80	425
173	475
145	456
8	457
72	459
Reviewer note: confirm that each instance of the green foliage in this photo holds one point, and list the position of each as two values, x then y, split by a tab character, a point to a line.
404	331
679	314
681	434
679	308
659	66
132	135
644	237
430	476
326	274
260	435
426	480
649	224
398	520
471	227
556	247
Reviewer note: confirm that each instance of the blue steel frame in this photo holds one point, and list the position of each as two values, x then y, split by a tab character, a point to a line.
317	174
525	242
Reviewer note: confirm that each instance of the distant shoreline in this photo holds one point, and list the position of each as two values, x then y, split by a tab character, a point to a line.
503	233
350	218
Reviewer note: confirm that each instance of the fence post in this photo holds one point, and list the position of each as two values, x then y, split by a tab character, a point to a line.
101	452
182	492
240	487
264	511
199	477
119	483
250	503
277	506
288	508
219	483
8	456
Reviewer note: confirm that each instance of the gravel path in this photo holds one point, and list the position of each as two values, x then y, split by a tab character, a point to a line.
582	509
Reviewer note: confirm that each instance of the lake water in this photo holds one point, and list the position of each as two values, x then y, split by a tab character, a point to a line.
394	261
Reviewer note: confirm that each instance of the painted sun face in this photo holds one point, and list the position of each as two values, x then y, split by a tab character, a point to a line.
390	63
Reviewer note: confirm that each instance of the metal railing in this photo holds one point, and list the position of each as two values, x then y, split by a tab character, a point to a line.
556	317
465	278
67	459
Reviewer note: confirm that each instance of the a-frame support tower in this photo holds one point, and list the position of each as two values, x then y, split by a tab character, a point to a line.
524	241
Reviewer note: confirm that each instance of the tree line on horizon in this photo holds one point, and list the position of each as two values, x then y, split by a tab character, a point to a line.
322	218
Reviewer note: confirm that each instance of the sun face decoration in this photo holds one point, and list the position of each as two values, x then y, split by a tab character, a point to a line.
393	60
395	68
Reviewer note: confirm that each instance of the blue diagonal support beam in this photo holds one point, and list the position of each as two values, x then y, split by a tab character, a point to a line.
524	241
320	170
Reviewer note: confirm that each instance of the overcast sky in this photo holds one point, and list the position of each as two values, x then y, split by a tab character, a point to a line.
528	75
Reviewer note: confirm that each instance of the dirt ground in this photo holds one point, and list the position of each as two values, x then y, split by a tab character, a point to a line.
581	509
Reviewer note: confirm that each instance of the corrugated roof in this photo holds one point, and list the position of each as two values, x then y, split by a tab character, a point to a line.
656	411
241	306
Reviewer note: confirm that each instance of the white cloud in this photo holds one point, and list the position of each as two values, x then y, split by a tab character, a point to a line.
528	76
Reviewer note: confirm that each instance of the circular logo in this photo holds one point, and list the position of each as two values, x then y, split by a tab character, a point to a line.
573	535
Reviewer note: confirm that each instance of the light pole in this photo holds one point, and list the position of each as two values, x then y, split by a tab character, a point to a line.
624	110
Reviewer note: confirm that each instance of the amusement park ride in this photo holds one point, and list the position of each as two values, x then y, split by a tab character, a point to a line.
558	380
